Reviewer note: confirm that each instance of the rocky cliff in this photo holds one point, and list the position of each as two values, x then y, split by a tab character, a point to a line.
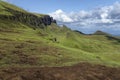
28	18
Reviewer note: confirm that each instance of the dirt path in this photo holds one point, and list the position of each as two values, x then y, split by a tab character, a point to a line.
82	71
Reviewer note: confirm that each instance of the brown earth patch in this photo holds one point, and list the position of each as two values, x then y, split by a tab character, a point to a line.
82	71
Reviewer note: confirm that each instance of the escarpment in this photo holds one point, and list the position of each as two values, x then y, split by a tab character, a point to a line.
27	18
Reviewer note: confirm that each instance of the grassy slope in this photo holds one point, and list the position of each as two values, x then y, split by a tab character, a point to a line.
21	45
3	9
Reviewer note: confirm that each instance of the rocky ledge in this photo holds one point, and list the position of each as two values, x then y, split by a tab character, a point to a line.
28	18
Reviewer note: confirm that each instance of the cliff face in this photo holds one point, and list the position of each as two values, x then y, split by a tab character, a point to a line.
28	18
47	20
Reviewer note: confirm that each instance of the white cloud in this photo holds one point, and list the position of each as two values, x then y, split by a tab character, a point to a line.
107	16
61	16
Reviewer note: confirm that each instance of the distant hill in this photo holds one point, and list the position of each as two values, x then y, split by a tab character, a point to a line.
79	32
100	33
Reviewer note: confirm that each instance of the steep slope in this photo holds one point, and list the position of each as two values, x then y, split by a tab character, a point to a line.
28	39
34	47
13	13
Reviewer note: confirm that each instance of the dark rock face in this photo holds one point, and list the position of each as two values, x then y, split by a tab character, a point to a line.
47	20
28	18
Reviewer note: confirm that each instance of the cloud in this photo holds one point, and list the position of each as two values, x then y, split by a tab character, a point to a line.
99	18
61	16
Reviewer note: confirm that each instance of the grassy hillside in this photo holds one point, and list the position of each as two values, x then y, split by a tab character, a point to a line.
25	45
4	6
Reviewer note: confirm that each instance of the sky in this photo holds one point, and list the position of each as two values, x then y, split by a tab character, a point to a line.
83	15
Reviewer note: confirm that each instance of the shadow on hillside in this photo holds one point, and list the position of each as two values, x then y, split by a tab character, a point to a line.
113	38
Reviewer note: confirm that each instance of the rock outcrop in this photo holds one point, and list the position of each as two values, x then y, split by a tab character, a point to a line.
28	18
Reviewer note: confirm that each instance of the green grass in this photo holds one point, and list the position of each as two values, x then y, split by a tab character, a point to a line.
4	10
69	49
4	5
21	45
